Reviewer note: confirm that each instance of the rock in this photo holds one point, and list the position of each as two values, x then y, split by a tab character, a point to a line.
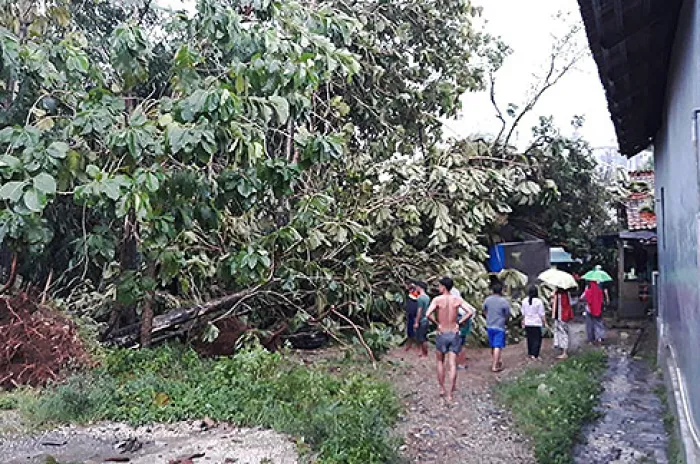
130	445
208	423
624	336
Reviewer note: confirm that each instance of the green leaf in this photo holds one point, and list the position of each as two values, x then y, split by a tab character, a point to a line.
10	161
176	137
342	235
57	150
111	189
12	191
45	183
240	84
151	182
281	106
138	118
33	200
92	171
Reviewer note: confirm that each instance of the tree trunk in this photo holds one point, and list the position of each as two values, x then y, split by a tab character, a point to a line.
147	312
121	315
171	324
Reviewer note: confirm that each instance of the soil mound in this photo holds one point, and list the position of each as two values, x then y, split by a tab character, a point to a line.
36	344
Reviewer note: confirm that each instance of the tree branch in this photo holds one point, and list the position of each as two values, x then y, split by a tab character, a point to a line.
499	113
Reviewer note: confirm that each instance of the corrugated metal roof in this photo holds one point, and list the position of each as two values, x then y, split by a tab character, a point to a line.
638	203
631	41
557	255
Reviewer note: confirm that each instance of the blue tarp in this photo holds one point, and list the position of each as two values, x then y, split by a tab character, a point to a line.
497	258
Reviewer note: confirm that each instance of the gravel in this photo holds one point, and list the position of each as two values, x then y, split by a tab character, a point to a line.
150	444
473	429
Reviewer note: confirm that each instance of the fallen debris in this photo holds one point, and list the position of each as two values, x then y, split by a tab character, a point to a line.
54	443
130	445
186	459
36	343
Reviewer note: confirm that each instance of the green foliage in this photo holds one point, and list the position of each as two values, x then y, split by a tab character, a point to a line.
380	338
7	402
552	406
291	148
346	419
576	205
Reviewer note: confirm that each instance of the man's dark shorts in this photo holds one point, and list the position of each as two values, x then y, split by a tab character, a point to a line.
449	342
422	332
410	321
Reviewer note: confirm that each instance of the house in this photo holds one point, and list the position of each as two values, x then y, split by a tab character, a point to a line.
530	257
648	58
637	248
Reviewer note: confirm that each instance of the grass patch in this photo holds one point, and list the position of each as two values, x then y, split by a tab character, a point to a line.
674	450
345	419
552	406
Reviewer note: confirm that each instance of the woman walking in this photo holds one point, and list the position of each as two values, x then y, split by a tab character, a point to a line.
594	296
534	320
562	313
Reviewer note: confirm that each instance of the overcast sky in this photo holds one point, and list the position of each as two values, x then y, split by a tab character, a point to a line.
527	27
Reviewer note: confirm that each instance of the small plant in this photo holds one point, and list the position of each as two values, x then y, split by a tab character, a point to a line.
381	338
7	402
552	406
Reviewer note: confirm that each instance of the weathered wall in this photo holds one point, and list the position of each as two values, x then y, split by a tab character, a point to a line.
678	209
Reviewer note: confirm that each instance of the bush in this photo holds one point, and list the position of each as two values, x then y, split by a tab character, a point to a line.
346	419
7	402
552	406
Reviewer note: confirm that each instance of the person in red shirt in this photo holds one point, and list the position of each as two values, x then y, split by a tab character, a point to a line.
594	297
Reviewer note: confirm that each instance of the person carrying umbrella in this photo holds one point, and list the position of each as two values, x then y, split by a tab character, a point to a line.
594	296
562	312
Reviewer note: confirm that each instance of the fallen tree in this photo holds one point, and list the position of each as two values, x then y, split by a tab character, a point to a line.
178	322
241	162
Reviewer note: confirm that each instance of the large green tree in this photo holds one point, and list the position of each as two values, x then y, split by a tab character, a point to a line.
171	174
285	160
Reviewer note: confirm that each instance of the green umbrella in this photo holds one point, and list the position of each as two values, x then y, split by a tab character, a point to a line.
597	275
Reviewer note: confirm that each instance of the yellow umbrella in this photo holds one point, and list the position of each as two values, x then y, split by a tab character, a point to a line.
557	278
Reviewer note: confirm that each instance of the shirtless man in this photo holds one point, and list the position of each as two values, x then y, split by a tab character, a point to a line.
448	342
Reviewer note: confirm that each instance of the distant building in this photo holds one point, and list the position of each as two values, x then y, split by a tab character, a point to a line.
610	161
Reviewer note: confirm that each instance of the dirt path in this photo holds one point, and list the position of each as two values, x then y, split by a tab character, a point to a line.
474	429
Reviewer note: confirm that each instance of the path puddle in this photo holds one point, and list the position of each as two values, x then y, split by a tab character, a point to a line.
631	428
